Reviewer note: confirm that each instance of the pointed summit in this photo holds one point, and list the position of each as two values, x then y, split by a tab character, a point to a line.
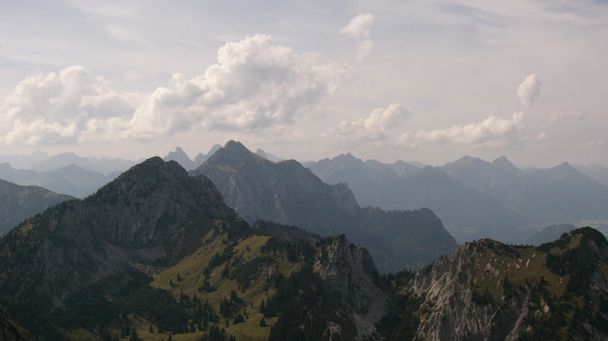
233	153
180	157
506	165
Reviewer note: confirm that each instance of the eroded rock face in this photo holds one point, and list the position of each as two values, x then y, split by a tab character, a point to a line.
449	311
349	270
490	291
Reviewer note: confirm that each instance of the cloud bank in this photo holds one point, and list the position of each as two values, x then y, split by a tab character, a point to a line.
255	85
59	107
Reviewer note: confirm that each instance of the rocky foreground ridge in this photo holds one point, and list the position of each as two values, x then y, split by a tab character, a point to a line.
490	291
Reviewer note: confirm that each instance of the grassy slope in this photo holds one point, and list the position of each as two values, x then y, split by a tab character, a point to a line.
186	277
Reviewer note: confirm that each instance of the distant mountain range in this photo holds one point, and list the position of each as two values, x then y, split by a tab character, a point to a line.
474	198
550	233
179	156
18	203
71	180
288	193
103	166
543	196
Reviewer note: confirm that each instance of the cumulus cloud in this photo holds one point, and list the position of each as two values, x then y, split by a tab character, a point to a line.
56	107
529	90
494	131
378	126
255	84
359	29
558	116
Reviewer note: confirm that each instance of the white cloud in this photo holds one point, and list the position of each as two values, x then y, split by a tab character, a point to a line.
529	90
558	116
255	85
56	107
379	126
493	131
358	29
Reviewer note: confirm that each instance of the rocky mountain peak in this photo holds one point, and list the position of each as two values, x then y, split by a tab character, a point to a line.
155	182
234	153
180	156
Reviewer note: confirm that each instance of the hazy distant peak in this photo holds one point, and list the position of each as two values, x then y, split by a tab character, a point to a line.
178	152
470	160
214	149
505	164
180	156
348	157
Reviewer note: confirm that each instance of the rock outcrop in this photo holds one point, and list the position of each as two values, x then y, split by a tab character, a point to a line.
490	291
349	270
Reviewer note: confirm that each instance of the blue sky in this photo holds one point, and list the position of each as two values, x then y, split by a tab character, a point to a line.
412	80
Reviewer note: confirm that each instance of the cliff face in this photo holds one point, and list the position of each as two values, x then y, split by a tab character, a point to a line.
487	290
350	271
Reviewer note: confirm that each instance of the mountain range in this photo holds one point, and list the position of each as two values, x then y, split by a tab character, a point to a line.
474	198
542	196
289	193
18	203
156	254
70	180
105	166
180	156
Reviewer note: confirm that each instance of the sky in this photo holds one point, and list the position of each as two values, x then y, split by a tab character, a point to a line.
429	81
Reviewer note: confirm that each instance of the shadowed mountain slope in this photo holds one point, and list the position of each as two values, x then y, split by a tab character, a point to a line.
288	193
18	203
